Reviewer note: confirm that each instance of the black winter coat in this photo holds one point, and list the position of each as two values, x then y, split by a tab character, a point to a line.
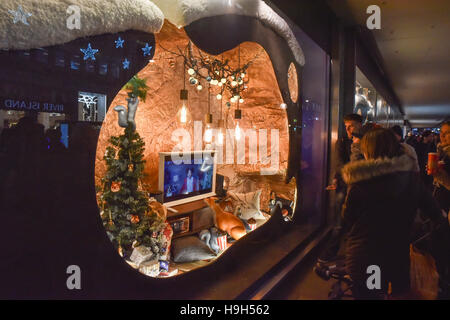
381	204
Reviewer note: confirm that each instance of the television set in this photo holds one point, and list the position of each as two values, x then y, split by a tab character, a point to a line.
186	177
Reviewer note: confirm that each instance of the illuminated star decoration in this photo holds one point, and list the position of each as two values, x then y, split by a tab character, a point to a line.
89	53
126	64
20	15
147	49
119	43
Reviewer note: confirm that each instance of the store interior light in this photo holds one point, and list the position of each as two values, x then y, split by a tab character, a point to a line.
237	132
208	134
183	113
220	137
183	109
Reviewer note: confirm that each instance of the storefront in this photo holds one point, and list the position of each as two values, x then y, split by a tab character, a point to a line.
71	85
232	75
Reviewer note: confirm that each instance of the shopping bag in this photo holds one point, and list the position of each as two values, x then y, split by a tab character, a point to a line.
424	276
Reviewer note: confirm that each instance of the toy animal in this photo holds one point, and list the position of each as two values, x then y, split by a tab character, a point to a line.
210	238
226	221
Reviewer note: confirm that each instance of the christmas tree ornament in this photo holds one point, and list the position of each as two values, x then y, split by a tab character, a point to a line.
20	15
119	43
120	251
134	219
115	186
89	53
130	167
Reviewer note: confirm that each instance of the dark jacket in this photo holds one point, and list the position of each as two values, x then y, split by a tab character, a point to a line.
381	204
442	179
343	152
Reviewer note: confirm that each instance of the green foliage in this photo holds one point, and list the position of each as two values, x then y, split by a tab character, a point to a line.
125	165
137	87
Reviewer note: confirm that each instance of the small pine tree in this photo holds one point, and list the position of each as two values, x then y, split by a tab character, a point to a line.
126	213
136	87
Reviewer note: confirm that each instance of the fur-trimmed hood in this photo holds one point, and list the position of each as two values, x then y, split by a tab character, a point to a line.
363	170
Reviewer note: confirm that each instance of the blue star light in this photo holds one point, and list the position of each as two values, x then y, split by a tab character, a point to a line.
20	15
147	50
119	43
89	53
126	64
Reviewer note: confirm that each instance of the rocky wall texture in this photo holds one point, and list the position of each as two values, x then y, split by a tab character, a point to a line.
157	117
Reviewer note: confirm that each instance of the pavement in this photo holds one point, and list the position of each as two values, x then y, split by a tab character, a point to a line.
303	283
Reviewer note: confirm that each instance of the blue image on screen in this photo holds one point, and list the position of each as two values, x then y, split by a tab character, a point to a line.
186	179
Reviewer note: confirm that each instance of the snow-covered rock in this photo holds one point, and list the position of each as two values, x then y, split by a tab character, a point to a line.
27	24
184	12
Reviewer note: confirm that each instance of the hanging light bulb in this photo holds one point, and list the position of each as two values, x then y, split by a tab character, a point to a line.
183	113
208	134
219	96
191	71
237	132
183	110
220	138
199	87
208	120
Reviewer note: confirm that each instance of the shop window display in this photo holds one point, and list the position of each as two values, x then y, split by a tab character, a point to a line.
261	198
253	190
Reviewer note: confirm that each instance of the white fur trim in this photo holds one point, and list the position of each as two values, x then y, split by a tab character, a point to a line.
184	12
48	23
362	170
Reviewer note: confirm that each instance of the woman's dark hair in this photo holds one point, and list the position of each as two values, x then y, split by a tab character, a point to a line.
380	143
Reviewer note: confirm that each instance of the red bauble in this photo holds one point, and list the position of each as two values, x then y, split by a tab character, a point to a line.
134	219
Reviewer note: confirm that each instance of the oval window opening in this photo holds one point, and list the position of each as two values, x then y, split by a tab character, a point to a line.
192	228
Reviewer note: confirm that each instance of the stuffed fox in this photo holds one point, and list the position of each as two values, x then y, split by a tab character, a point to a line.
226	221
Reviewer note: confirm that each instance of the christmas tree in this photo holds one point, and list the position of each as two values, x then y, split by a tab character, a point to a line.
126	213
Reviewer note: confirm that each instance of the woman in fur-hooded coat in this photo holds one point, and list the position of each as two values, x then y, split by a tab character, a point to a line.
382	200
